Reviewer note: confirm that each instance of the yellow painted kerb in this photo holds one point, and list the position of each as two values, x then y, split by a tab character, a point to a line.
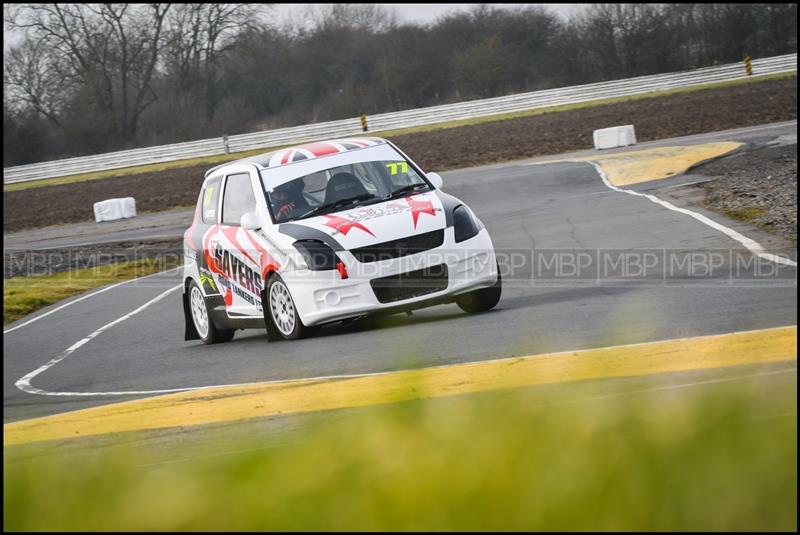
270	399
633	167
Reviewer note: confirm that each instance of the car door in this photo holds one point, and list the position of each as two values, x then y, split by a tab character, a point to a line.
235	254
204	226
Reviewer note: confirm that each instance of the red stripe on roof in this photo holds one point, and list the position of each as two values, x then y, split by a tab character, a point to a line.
285	158
320	149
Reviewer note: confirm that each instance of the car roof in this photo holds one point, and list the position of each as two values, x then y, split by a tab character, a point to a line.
317	149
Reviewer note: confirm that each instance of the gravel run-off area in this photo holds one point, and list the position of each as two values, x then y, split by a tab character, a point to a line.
757	186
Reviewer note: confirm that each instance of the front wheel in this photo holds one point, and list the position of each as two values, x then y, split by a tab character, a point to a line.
281	315
482	299
202	320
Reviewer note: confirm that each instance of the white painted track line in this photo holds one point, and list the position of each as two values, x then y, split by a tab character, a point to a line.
752	245
24	383
78	300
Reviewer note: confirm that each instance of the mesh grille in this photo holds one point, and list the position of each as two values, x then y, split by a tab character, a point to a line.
397	248
412	284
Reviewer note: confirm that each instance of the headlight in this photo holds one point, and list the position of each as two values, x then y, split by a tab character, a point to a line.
465	225
317	255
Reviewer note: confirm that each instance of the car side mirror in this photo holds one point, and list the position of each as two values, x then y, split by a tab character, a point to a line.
436	180
250	221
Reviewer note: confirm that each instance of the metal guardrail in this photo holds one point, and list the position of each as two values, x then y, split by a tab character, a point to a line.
400	119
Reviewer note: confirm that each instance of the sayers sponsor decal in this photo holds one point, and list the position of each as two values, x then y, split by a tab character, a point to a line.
244	279
371	212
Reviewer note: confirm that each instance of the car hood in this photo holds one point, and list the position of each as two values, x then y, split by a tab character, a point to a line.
377	223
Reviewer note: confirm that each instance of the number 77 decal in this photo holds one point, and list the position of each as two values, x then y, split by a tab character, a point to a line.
393	167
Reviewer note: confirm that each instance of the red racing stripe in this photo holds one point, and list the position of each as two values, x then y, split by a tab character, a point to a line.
230	233
344	225
320	149
268	263
212	265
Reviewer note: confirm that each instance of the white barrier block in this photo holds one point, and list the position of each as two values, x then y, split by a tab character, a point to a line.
128	205
112	209
616	136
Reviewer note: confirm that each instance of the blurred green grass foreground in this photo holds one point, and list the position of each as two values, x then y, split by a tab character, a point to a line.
704	450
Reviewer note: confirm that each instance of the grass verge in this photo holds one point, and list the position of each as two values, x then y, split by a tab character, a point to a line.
715	450
746	215
24	295
213	160
754	216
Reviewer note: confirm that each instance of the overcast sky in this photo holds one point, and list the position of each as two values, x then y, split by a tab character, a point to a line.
424	13
415	13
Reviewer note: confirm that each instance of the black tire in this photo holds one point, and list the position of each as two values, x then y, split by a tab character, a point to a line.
210	334
287	325
483	299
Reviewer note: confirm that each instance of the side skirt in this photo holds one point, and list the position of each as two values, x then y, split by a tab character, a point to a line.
216	306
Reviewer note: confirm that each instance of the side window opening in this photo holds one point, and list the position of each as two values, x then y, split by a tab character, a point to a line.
209	200
238	198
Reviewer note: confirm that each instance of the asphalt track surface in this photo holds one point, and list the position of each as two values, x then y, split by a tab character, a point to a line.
534	212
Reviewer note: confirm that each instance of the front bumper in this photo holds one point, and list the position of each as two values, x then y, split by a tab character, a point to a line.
323	296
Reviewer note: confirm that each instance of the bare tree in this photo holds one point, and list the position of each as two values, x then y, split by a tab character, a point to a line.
112	49
778	27
115	75
200	34
29	71
480	69
372	18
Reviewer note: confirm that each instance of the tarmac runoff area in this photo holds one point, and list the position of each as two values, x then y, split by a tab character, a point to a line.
568	329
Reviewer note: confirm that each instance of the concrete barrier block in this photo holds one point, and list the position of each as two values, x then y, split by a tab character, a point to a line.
616	136
113	209
128	205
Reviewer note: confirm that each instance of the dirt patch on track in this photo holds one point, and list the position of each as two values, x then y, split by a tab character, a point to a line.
465	146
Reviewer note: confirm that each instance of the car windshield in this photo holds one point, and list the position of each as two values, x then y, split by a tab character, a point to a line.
343	187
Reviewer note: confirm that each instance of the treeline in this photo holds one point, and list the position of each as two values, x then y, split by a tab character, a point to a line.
95	78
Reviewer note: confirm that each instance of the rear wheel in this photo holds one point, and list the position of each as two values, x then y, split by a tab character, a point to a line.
482	299
283	321
202	320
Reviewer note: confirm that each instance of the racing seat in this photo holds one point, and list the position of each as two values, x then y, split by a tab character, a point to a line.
343	186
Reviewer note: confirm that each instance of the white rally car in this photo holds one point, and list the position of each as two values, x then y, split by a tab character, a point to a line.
326	232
